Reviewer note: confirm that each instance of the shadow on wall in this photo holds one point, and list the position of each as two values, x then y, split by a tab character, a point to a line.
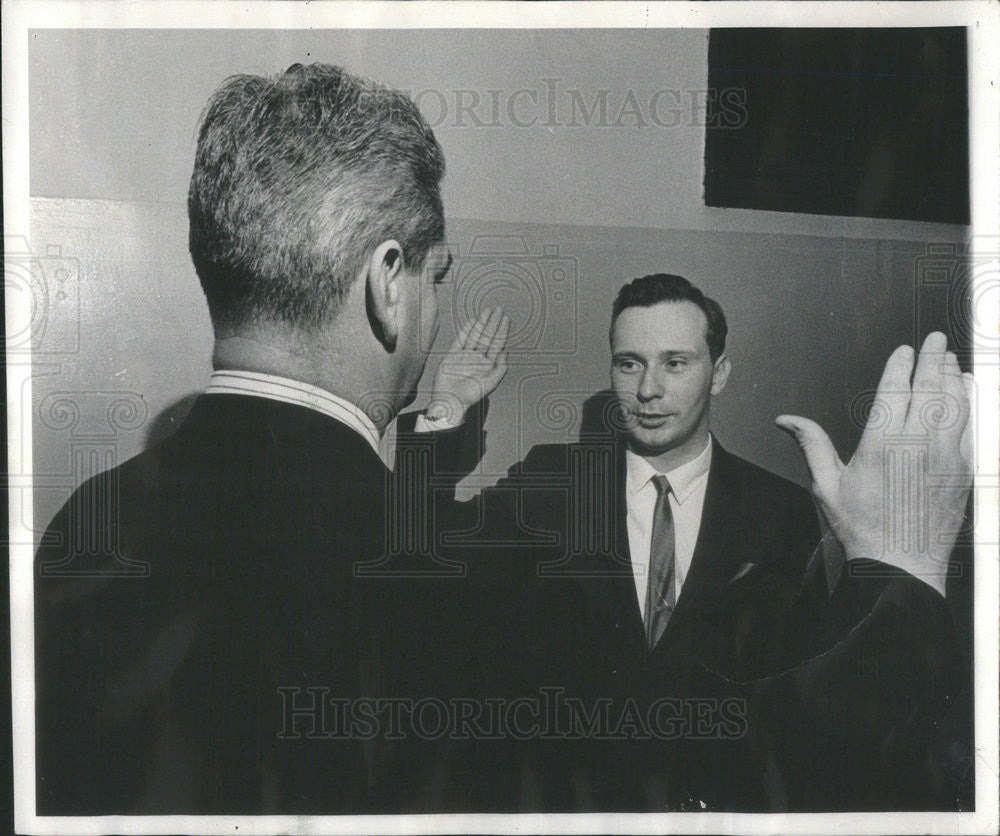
169	420
601	415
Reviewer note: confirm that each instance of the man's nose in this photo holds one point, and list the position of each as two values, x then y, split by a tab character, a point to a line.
649	386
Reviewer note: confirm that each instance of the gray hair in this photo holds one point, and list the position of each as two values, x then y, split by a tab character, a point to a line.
297	178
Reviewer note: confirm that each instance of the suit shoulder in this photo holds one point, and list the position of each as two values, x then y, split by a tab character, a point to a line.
754	473
97	485
769	487
775	516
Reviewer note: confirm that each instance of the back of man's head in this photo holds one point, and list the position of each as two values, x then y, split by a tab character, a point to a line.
297	178
664	287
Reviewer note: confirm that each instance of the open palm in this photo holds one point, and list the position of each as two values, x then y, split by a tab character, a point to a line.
473	367
901	499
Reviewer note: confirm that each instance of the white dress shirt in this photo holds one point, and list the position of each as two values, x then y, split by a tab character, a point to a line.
687	499
275	388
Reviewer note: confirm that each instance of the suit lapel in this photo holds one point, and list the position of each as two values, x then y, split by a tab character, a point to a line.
625	584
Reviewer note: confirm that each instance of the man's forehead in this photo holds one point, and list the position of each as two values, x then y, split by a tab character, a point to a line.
662	325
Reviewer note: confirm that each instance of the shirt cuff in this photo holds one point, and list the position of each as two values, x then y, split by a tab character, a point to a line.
424	424
935	580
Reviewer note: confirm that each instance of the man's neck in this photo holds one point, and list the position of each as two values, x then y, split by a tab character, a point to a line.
321	366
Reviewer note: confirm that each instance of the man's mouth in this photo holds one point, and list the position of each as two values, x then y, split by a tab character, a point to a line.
652	419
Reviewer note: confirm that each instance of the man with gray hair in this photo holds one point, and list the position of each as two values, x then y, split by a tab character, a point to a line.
202	608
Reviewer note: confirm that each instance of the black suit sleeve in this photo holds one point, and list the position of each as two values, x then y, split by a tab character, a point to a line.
844	689
851	725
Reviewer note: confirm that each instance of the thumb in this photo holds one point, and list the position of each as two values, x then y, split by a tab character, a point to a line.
821	457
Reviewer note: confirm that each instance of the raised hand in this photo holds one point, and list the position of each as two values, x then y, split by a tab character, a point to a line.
473	367
901	499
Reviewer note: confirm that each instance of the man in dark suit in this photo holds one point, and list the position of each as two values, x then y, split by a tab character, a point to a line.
203	609
686	592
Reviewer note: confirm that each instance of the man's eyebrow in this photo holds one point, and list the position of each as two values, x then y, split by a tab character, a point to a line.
678	352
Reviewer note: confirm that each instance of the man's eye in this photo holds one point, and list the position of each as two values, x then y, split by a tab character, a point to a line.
627	365
676	363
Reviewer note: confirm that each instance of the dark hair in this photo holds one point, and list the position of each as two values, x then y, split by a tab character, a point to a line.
664	287
297	178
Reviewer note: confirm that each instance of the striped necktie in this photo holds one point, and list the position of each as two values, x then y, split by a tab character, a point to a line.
660	597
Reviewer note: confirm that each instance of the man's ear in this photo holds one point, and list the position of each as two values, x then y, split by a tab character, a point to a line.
720	374
384	271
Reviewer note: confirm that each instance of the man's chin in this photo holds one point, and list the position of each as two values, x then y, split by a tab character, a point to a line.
649	443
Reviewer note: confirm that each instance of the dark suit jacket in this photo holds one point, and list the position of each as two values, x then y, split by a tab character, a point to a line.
781	695
187	599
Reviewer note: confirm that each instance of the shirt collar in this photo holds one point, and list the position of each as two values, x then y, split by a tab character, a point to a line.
286	390
683	479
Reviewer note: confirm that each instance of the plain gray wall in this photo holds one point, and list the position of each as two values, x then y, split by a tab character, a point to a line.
548	219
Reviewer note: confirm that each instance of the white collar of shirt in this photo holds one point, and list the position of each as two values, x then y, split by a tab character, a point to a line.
286	390
683	479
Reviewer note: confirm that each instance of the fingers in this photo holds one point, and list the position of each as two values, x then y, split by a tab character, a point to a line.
969	381
957	389
487	334
463	335
968	432
489	330
499	340
941	402
927	375
821	457
476	329
892	399
928	382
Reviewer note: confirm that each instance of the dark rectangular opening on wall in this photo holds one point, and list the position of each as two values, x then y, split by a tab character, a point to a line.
859	122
